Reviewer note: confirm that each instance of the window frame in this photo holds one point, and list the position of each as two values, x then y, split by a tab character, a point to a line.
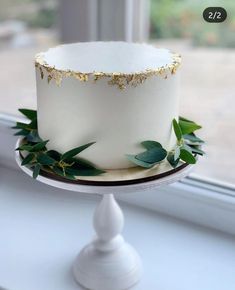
128	20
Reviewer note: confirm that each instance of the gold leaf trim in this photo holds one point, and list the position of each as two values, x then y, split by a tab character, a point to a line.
121	80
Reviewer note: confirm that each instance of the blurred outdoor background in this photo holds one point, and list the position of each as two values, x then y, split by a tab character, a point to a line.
207	74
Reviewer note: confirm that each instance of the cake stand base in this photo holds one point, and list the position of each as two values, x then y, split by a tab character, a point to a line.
108	263
107	271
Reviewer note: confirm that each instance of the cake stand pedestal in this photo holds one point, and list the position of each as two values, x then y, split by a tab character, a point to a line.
108	262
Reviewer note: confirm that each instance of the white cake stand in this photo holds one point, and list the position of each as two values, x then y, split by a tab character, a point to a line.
107	262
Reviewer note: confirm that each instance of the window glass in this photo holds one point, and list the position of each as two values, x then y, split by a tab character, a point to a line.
26	27
207	75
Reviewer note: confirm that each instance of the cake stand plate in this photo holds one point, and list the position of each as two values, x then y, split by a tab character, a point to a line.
108	262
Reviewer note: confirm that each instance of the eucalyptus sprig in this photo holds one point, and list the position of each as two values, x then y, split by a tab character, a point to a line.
187	147
28	130
40	158
154	154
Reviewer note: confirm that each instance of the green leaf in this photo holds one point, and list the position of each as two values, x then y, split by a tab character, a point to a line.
20	125
68	176
30	114
22	132
33	125
177	153
184	119
25	148
187	156
177	130
192	138
187	148
54	154
39	146
171	159
27	159
138	162
75	151
197	150
33	137
153	155
60	172
151	144
188	127
36	170
33	148
80	163
84	171
44	159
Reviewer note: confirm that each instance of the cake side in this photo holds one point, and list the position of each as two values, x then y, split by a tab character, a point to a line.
77	112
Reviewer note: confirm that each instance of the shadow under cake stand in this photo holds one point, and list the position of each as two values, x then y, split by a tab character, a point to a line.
108	262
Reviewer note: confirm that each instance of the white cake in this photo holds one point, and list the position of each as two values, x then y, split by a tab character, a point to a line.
115	93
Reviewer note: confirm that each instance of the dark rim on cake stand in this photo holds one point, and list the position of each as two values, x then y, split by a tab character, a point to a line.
108	262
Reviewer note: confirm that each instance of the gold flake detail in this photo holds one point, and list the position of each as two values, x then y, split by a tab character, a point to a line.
120	80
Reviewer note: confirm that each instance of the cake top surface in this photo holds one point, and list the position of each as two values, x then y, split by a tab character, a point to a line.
122	63
107	57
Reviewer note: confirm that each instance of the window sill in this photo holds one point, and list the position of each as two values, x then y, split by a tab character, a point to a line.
43	228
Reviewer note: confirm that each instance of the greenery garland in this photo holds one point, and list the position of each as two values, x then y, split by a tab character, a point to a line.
187	147
68	166
39	158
